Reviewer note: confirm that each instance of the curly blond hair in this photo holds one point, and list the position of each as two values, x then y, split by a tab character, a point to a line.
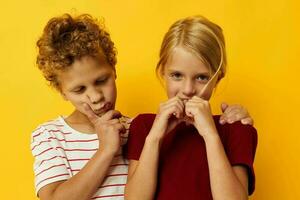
66	39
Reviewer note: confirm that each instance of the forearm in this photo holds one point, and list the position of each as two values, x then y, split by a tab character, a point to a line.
142	183
86	182
224	182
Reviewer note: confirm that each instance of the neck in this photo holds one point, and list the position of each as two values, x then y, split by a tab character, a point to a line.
80	122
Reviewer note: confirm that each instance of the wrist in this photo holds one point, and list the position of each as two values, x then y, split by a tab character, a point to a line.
211	136
106	152
153	140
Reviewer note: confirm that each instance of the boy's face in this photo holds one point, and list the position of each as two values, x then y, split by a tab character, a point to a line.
92	81
186	75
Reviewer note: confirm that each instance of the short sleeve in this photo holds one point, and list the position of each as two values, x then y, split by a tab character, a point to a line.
136	139
49	163
241	147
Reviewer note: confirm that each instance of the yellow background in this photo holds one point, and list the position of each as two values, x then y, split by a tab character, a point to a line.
263	48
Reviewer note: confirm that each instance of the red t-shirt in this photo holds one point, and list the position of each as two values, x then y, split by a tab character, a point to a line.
183	168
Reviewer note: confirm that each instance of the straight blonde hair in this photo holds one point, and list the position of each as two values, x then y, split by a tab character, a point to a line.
201	37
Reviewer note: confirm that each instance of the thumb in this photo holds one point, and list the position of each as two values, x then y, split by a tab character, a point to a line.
224	106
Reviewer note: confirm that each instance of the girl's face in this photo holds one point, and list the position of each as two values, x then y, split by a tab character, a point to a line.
186	75
92	81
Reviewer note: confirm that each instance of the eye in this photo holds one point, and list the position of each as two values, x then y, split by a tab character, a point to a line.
79	90
176	76
101	81
203	78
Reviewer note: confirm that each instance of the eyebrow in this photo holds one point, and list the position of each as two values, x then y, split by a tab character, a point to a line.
178	71
105	75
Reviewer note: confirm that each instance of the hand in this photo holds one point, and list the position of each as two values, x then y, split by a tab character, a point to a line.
107	127
233	113
199	111
169	115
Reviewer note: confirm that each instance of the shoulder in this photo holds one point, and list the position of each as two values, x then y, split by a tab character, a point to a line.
51	129
146	117
143	120
242	130
235	128
141	125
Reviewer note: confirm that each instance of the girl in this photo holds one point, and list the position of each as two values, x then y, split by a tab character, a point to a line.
79	156
182	152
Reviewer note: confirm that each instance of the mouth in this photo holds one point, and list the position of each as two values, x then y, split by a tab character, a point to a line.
103	109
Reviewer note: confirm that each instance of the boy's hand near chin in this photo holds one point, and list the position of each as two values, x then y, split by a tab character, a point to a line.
107	127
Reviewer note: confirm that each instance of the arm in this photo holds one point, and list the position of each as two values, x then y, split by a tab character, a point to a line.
142	175
227	182
86	182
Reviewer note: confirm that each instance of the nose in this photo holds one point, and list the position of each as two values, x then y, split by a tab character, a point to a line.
95	96
188	88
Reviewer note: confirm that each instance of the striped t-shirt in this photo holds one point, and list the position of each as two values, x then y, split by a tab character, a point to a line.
60	152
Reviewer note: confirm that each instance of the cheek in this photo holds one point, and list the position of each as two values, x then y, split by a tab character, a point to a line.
172	89
110	91
207	92
77	100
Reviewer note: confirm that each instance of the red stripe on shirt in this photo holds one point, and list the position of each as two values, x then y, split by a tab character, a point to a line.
49	168
51	131
55	131
77	149
63	140
39	133
51	159
39	144
110	175
50	178
43	151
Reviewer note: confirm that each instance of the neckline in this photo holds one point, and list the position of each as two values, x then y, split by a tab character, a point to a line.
63	121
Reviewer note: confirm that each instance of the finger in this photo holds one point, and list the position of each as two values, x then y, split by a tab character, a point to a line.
114	121
174	110
224	106
230	108
90	113
231	111
247	121
233	116
179	108
120	127
111	114
197	98
222	119
236	115
189	107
